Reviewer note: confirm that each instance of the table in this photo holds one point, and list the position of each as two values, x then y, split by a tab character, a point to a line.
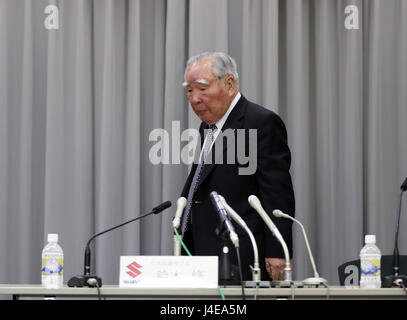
16	292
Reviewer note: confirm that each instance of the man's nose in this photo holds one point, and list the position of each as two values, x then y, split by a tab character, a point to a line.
195	97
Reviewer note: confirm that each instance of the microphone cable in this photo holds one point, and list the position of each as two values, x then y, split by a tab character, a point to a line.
98	289
93	282
240	273
189	254
328	291
401	284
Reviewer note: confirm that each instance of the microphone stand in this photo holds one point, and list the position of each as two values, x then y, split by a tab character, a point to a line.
176	243
226	275
176	222
225	270
396	280
87	279
226	230
256	271
316	279
288	280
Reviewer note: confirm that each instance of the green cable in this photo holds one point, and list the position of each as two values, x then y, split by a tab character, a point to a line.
182	242
189	253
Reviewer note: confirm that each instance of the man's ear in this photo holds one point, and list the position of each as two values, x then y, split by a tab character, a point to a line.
230	83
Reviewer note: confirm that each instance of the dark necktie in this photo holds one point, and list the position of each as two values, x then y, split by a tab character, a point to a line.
195	180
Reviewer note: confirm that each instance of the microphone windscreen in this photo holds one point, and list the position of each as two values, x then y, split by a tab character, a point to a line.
181	202
404	185
277	213
161	207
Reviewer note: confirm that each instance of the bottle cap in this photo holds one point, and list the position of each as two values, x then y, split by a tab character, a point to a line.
370	239
52	237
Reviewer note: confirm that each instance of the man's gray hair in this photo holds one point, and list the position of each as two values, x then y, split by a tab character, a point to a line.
222	64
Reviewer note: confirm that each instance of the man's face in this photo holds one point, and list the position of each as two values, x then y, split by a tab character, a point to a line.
208	95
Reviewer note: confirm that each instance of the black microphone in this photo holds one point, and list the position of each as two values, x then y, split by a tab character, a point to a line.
404	186
224	218
396	279
83	280
161	207
226	227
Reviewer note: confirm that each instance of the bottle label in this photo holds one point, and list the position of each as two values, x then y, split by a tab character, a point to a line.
51	266
370	267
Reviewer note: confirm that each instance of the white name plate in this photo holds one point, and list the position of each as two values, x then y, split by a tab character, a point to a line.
168	272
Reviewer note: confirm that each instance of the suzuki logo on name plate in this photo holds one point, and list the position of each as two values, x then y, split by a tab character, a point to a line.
134	269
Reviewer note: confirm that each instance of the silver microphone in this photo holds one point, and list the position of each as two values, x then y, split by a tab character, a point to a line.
256	205
176	222
224	218
256	272
316	280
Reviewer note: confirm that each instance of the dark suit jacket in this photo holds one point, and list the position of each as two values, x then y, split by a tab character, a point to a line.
271	183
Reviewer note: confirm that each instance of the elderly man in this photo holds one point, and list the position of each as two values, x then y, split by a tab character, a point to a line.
212	84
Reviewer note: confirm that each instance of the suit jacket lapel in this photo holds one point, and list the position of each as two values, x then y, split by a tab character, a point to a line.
234	121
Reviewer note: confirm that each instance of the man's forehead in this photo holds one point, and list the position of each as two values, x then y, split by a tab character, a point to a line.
200	70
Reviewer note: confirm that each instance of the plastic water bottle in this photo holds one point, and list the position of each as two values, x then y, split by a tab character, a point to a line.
52	269
370	257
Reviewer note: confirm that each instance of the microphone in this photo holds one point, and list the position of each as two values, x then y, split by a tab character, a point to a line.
316	280
396	280
256	205
404	186
224	218
225	221
181	204
87	279
256	272
161	207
